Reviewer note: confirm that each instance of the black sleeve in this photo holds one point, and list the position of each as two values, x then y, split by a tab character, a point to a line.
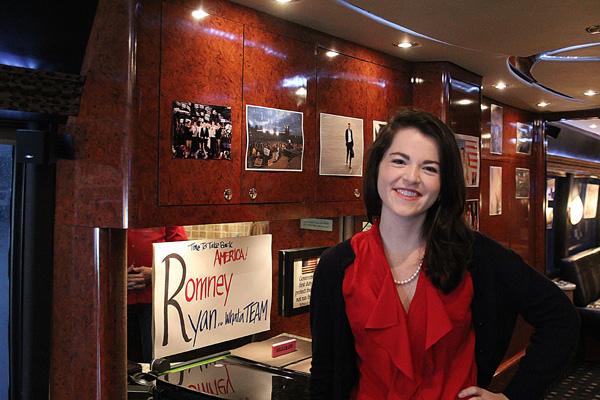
321	325
556	328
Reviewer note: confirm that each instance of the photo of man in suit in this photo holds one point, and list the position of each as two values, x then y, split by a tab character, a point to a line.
349	146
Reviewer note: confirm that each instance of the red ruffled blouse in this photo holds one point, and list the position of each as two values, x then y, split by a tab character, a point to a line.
427	353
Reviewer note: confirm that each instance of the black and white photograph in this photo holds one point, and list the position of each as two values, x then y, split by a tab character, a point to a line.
377	128
275	139
522	183
201	132
495	190
524	138
496	129
341	145
472	214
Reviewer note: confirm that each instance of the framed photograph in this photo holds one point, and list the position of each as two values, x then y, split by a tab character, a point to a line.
341	145
469	154
201	131
496	129
591	201
378	127
275	139
550	189
522	183
524	138
495	190
472	214
296	269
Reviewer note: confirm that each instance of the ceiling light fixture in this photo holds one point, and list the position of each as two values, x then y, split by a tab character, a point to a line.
464	102
593	126
543	104
500	85
199	13
406	44
332	54
590	92
593	29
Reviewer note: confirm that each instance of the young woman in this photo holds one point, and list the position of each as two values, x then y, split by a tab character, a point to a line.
419	306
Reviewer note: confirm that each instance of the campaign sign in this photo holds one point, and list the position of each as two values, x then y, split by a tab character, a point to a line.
210	291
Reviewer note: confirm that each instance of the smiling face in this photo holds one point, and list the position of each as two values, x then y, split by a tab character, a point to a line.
408	181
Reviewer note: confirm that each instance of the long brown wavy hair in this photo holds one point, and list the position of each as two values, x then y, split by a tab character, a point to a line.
445	231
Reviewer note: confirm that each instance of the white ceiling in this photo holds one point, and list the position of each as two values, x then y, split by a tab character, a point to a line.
478	35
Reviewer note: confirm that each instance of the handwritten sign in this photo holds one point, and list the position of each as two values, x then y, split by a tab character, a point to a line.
210	291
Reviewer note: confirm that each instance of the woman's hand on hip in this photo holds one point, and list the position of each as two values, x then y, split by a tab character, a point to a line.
477	393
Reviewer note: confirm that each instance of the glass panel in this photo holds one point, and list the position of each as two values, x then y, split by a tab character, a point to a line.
6	184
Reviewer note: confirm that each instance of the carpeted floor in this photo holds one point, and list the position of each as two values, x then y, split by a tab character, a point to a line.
583	383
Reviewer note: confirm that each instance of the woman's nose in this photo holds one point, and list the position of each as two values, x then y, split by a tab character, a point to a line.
412	174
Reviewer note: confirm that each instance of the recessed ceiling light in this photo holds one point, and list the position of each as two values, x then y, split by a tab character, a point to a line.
406	44
543	104
464	102
593	126
331	53
593	29
199	13
500	85
590	92
484	107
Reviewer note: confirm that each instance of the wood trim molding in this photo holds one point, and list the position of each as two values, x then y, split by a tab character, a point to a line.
558	165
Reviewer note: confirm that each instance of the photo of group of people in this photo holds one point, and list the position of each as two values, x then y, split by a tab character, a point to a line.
201	131
275	139
341	145
522	183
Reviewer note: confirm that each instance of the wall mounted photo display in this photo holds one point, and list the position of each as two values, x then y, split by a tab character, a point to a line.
522	183
524	138
591	201
496	129
201	131
469	154
296	269
472	214
377	128
550	189
274	139
495	190
342	144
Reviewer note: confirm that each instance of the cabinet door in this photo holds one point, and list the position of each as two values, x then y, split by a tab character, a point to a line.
201	63
278	144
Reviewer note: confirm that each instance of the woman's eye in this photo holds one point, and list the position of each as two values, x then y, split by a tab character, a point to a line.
398	161
431	169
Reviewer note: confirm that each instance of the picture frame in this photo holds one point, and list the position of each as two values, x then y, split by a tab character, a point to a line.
522	183
468	147
495	199
496	118
296	269
341	145
524	138
472	213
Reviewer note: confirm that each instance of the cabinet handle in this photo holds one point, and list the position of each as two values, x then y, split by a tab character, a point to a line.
356	193
228	194
252	193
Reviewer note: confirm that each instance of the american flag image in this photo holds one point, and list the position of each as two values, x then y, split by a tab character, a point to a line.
308	266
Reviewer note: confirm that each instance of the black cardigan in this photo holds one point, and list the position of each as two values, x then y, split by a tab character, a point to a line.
504	287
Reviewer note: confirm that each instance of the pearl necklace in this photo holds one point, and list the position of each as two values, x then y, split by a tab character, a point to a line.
412	277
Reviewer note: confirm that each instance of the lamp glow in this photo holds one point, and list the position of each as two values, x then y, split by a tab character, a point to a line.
575	210
199	13
500	85
590	92
332	54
